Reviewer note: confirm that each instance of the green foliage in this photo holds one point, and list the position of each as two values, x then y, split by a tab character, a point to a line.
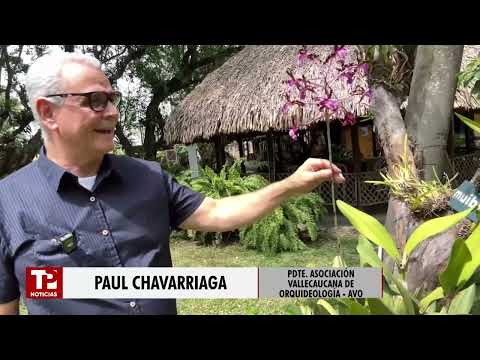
282	230
340	154
228	182
369	227
470	77
425	199
390	65
474	125
455	296
176	168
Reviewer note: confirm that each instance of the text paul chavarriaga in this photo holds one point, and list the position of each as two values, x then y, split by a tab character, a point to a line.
143	282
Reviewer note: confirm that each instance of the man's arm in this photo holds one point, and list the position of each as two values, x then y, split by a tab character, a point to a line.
218	215
10	308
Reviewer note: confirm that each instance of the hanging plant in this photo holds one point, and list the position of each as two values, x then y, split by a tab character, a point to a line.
339	87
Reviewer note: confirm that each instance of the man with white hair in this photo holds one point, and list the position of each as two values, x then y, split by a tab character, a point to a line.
114	210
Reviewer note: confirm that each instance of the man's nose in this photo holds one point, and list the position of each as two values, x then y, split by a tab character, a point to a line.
111	111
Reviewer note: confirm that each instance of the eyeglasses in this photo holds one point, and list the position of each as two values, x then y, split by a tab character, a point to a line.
97	100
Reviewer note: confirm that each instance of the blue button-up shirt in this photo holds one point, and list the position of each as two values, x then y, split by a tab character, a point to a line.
125	220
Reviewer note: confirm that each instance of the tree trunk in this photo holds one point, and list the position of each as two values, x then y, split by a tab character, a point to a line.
430	105
392	135
427	123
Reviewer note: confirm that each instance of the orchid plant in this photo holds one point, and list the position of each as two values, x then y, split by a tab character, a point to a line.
340	87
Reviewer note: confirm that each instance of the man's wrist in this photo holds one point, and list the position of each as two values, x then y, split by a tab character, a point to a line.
287	188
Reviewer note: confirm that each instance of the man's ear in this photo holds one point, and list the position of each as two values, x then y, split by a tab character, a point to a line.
46	110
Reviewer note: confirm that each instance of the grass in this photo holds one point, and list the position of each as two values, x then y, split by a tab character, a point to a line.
188	254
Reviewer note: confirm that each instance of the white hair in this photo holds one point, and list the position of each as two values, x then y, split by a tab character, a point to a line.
44	77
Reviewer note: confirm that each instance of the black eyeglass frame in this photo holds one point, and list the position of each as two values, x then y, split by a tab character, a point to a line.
114	97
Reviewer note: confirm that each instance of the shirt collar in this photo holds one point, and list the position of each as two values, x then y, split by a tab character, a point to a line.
56	175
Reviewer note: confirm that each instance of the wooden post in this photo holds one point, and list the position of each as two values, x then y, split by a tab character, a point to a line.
193	160
271	157
280	153
355	148
374	143
241	153
240	148
219	153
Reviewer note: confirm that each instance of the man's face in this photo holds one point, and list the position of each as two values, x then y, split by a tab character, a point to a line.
79	127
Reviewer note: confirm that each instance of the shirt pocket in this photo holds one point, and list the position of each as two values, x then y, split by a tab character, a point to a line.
48	251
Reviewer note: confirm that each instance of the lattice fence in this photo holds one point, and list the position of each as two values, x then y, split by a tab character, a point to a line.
465	166
353	191
357	192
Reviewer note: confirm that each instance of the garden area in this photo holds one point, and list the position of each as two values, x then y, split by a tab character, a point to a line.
404	142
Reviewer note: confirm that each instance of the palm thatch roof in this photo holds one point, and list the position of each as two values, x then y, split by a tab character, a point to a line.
246	95
464	99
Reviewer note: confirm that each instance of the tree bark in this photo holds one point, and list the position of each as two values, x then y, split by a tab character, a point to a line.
427	124
392	135
430	105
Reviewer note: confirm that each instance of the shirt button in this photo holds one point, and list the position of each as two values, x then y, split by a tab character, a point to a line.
105	232
132	304
92	199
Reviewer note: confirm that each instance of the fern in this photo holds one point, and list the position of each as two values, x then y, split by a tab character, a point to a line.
279	231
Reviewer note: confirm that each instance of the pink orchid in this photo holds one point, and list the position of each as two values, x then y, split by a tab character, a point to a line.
327	103
364	67
340	51
293	133
302	55
349	119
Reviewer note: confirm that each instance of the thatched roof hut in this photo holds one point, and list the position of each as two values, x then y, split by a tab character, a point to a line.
464	99
245	96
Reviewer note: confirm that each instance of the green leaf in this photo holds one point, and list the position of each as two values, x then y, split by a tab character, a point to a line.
473	245
435	295
459	257
432	227
463	262
371	228
306	310
354	307
474	125
476	88
292	309
399	306
368	256
329	308
377	307
463	302
338	261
